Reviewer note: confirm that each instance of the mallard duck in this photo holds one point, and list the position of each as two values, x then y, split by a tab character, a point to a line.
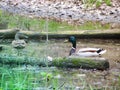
19	43
85	52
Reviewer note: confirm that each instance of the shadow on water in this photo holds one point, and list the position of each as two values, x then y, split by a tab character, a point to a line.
70	79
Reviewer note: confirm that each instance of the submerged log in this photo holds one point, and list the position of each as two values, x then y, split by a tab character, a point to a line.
71	62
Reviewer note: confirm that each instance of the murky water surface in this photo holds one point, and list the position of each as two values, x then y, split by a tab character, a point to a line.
77	79
95	78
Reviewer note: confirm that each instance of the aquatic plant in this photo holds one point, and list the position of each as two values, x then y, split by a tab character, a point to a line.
15	79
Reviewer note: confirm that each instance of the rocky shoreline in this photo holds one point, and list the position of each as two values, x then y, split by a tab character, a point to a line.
69	10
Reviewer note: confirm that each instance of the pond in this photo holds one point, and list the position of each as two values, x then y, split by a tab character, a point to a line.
53	78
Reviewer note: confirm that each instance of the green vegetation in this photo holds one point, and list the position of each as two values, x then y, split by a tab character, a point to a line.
4	20
97	3
108	2
17	77
37	24
4	17
93	26
29	78
13	79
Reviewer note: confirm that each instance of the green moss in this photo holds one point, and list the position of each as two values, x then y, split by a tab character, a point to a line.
86	63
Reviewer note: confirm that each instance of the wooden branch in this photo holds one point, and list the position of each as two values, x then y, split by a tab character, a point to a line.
69	62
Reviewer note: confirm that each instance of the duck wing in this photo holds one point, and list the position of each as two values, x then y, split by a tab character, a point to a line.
88	49
87	54
91	52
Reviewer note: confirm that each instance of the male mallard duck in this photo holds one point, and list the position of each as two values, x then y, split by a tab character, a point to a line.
17	43
85	52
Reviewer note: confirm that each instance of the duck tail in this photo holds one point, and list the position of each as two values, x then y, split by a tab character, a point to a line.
101	51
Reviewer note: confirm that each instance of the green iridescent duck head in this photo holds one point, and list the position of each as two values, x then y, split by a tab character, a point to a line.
72	39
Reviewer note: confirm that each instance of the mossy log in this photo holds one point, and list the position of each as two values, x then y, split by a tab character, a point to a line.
71	62
10	34
82	62
19	60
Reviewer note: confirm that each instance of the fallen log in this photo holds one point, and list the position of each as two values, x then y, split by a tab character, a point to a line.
82	62
68	62
14	59
10	34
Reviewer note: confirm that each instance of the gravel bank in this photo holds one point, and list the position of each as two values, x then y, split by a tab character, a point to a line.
69	10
